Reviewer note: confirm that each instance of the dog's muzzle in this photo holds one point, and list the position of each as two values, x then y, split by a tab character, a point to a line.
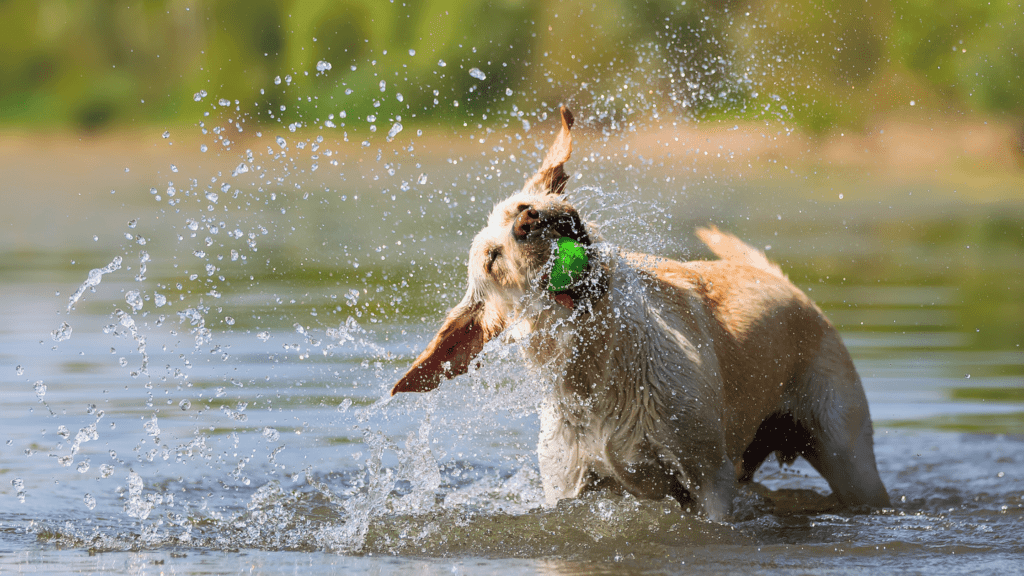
532	224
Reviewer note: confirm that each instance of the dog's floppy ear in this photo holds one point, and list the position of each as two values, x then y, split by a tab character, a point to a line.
465	331
551	177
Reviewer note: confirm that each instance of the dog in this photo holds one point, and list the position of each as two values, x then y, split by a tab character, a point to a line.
669	378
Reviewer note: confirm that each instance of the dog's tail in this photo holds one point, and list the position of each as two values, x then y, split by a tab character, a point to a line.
728	247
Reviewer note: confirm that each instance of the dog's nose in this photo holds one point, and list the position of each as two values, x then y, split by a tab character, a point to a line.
527	221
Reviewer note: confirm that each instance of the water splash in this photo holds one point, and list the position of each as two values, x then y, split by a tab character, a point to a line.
62	333
136	506
93	280
126	320
359	509
19	489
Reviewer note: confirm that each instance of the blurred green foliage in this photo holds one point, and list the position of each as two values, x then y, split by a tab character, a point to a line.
821	64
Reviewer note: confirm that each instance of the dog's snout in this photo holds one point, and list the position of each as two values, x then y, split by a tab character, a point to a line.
527	221
531	223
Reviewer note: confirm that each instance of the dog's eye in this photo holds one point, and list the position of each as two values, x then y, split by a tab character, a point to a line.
492	255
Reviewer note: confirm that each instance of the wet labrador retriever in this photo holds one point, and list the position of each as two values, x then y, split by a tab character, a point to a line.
670	378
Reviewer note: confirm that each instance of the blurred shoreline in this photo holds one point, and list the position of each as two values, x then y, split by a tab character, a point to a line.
972	153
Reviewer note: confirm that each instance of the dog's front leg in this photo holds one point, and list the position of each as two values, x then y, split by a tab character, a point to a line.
564	469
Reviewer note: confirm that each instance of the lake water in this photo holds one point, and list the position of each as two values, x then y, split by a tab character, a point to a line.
225	409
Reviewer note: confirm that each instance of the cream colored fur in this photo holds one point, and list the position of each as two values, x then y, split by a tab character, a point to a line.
671	379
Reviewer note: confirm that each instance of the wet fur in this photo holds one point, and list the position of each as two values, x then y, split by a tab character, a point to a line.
670	379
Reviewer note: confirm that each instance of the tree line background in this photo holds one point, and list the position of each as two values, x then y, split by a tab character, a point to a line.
819	64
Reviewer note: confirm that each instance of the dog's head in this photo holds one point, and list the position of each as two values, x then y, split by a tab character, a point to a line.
509	264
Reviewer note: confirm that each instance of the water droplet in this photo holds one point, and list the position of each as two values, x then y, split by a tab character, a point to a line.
185	404
106	470
19	370
323	66
229	320
224	102
281	142
383	85
151	427
422	179
271	434
134	299
83	467
442	63
61	334
264	336
19	488
399	97
412	52
212	196
395	129
40	389
167	134
199	95
174	168
508	91
90	502
203	148
477	73
240	169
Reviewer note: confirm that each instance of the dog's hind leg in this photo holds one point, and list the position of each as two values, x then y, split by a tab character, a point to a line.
840	446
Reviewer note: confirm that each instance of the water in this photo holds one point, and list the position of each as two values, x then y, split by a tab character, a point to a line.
203	387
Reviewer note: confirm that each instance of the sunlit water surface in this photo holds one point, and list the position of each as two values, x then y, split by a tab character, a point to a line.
225	409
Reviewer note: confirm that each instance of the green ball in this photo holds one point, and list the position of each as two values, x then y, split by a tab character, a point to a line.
569	266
